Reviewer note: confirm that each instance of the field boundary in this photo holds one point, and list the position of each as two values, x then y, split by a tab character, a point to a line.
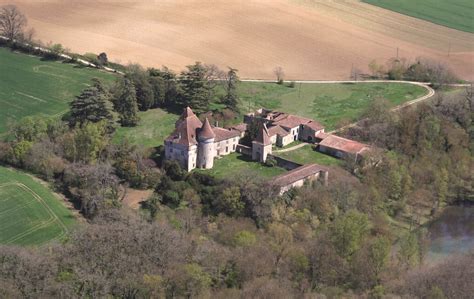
52	216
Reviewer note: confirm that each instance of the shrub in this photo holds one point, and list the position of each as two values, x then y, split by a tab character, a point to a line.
271	162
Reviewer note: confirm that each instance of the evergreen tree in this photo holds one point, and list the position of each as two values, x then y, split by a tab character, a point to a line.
92	105
125	103
196	89
231	99
143	88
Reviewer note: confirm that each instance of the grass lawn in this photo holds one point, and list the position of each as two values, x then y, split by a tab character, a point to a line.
306	155
31	86
155	125
231	165
457	14
329	104
30	214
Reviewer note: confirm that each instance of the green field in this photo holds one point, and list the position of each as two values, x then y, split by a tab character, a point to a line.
330	104
234	164
30	214
457	14
155	125
306	155
31	86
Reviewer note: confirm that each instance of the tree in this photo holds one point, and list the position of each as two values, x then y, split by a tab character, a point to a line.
125	103
143	88
196	89
102	59
172	91
348	231
12	22
92	105
86	143
231	99
280	74
355	73
229	202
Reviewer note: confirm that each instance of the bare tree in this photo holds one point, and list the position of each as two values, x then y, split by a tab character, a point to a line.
12	22
280	75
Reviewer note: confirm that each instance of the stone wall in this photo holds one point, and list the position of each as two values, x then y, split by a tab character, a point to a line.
284	163
244	150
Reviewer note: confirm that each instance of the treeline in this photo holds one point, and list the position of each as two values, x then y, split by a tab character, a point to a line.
421	70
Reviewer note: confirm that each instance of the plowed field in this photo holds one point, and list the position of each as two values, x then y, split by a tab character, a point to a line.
319	39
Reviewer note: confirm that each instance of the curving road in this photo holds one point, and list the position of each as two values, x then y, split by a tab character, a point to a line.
430	92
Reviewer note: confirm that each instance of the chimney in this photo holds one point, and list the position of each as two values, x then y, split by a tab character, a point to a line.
217	124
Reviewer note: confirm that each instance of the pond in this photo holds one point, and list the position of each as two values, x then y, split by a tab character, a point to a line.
452	233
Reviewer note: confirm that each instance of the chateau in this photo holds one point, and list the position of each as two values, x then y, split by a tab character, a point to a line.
195	144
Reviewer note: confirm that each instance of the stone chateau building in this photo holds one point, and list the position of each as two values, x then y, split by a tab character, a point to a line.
195	144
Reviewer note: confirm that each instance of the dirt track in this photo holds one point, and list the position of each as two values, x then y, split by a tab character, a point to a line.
319	39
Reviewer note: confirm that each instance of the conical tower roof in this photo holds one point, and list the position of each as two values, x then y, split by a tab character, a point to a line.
187	113
206	131
263	137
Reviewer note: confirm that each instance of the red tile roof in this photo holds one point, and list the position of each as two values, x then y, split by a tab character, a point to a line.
315	125
343	144
297	174
277	130
290	121
206	131
224	134
263	137
186	127
240	127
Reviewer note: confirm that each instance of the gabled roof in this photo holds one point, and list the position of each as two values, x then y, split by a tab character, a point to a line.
206	131
240	127
314	125
343	144
186	128
290	121
277	130
262	136
224	134
297	174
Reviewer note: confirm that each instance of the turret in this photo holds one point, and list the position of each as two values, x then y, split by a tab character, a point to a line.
206	149
262	145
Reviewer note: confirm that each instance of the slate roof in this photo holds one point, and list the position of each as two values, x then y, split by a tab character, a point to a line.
343	144
297	174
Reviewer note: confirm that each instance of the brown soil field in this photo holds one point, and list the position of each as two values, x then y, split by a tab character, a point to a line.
312	39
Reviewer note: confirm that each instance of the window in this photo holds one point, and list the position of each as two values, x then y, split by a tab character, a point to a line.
233	148
226	149
227	142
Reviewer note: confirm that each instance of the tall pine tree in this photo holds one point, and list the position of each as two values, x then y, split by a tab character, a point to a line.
125	103
231	99
196	91
92	105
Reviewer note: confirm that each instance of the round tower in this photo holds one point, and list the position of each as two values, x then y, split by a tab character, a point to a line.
206	148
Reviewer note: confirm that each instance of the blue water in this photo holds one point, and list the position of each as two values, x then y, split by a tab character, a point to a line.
452	233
